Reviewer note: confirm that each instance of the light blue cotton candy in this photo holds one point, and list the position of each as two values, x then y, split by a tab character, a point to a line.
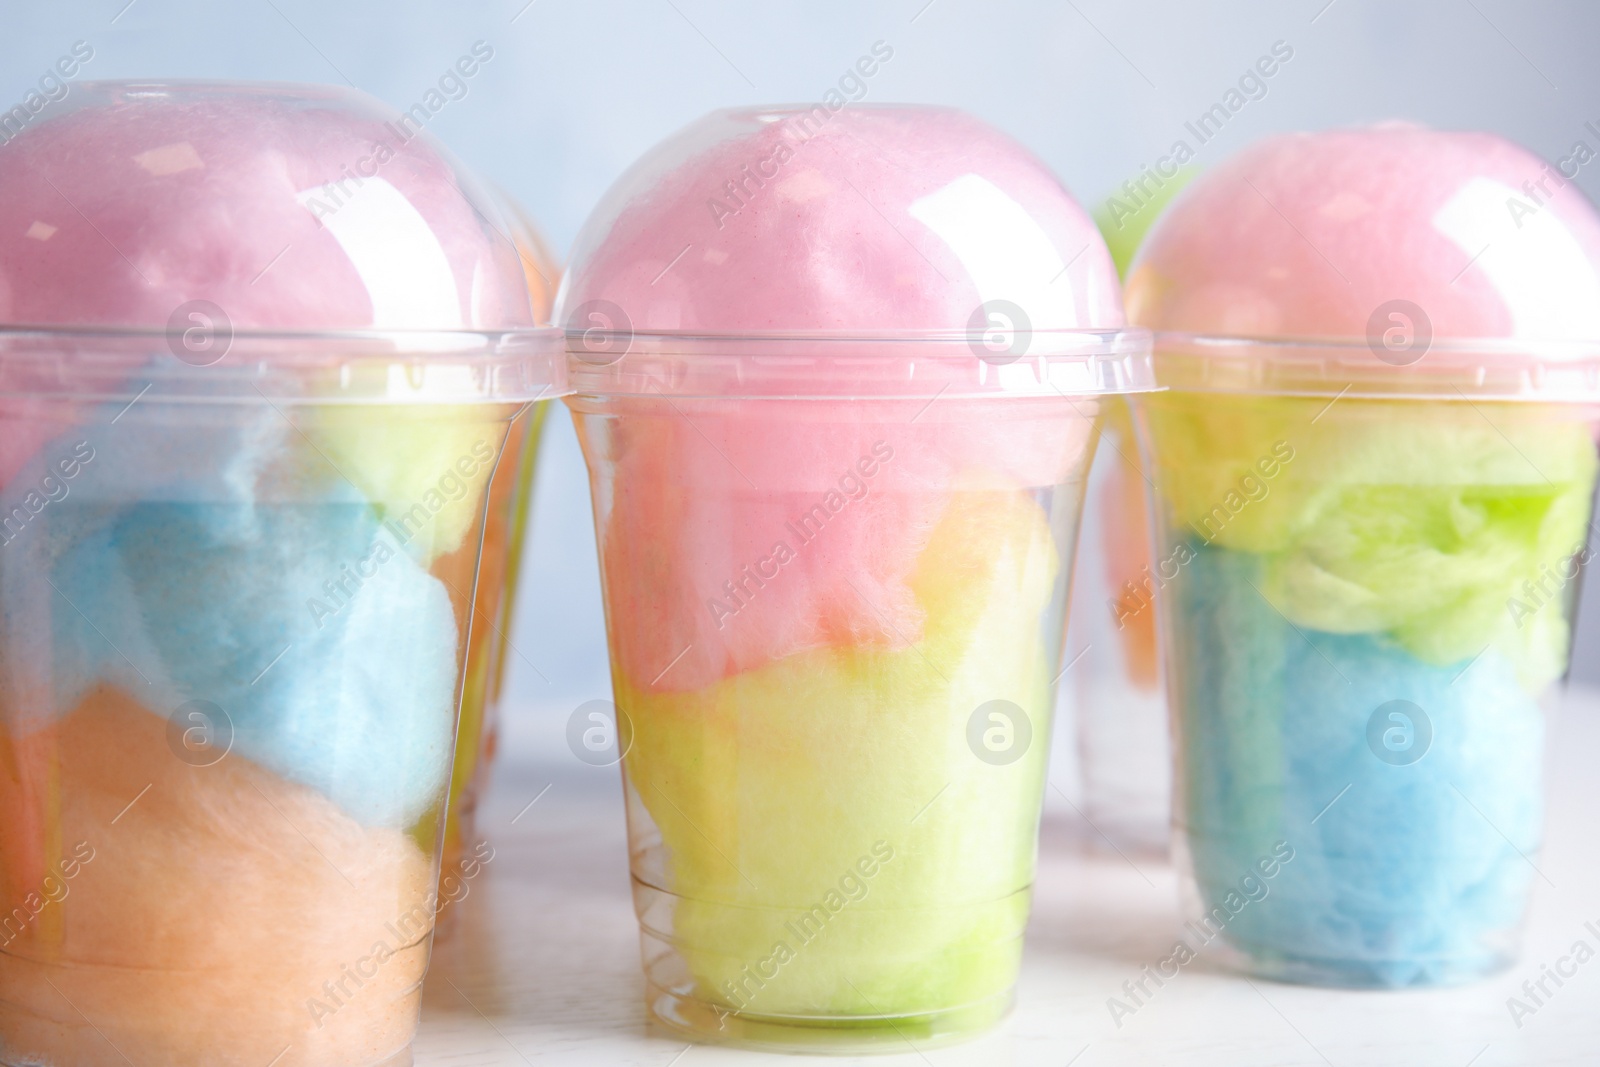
1414	874
185	559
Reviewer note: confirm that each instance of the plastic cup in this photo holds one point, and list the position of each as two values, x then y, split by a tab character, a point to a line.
241	505
505	527
1376	783
1113	689
835	563
1375	542
836	844
505	532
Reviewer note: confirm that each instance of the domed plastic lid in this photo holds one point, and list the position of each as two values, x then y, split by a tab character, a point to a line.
539	264
864	251
1388	261
294	240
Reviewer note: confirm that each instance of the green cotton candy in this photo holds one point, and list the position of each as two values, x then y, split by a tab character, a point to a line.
833	845
423	466
1124	221
1449	526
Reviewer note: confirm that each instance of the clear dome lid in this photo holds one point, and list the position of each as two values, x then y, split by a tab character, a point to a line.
868	250
539	264
258	231
1387	261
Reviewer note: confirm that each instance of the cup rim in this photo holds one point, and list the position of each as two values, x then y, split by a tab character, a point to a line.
96	363
1544	370
859	364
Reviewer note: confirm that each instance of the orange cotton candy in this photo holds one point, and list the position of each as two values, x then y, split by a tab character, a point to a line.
224	916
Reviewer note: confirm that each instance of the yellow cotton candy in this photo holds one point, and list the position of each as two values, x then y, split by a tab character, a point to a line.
423	466
841	778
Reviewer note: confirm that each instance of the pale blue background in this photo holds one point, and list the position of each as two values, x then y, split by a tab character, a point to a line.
578	88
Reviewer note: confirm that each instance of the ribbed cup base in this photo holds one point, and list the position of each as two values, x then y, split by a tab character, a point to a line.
836	1034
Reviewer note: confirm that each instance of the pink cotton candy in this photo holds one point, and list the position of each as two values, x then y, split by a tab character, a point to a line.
887	221
869	218
284	207
118	210
1310	234
735	538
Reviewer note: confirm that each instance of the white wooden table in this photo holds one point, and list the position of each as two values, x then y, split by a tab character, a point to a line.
541	963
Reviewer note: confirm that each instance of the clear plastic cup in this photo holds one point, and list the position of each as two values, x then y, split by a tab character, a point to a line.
246	447
505	532
1358	706
1114	690
839	838
1377	537
505	527
835	560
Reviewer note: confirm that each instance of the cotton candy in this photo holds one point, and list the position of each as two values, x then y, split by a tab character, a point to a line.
311	212
261	541
142	198
255	580
818	562
214	905
882	219
1422	527
1307	234
1403	873
939	921
1345	552
975	218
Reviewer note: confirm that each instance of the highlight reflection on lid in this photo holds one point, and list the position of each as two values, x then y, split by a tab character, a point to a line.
285	207
862	219
1326	235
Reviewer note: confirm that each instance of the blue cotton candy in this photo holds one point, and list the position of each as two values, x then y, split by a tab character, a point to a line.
185	558
1416	874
